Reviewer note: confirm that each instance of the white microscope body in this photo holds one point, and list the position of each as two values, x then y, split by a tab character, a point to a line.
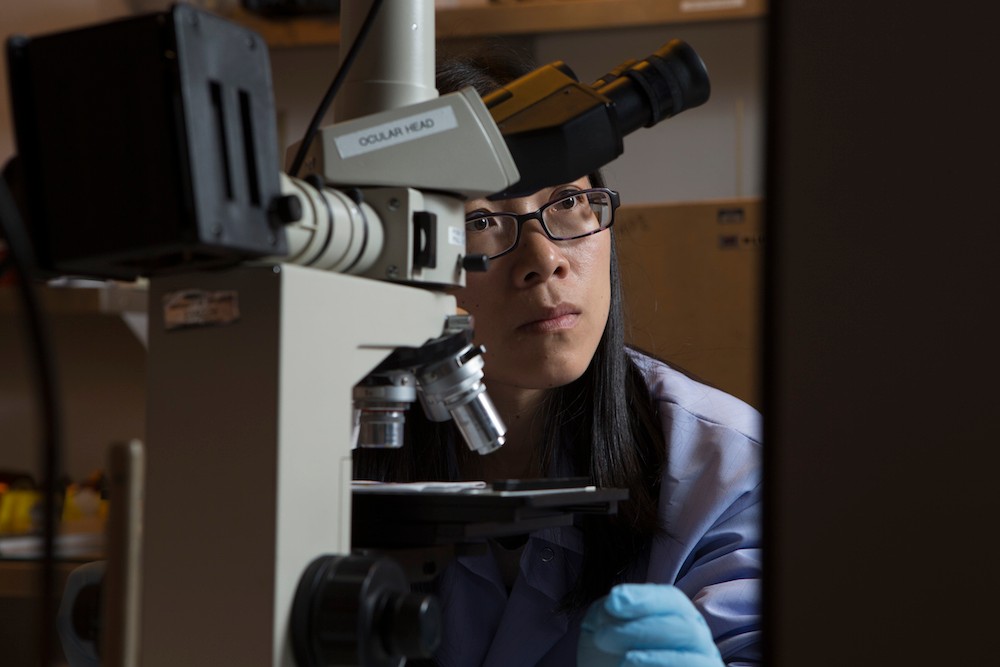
251	370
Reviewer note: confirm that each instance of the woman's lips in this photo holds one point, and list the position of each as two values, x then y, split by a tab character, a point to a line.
558	319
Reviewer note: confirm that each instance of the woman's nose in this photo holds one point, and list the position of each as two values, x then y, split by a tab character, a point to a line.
538	257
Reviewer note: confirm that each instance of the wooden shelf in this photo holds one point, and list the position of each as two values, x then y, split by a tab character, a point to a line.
519	17
106	300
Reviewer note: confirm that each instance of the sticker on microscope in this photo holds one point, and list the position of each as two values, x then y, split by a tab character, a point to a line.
398	131
200	308
456	236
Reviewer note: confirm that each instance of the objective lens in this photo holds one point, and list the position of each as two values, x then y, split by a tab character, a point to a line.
453	389
380	404
381	428
480	423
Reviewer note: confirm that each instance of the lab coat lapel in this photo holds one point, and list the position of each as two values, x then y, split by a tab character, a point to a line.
529	628
473	601
531	624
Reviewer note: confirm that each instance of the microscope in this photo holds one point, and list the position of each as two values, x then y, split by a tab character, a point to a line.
296	316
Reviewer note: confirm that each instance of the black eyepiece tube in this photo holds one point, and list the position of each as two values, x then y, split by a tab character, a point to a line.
559	129
670	80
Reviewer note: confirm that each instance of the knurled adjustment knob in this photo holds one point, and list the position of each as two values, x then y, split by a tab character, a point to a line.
477	263
411	625
358	610
286	209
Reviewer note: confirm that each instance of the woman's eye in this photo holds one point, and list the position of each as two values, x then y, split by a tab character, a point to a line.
479	224
569	202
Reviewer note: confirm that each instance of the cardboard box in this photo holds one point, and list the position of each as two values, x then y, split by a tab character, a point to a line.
692	275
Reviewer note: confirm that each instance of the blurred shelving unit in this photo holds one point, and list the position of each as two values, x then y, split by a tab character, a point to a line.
109	299
516	17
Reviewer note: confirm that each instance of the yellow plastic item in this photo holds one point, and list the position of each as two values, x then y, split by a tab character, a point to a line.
16	509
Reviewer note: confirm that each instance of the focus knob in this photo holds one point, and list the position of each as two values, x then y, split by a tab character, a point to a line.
411	625
358	610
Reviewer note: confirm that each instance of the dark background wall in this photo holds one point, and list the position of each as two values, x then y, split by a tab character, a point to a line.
881	368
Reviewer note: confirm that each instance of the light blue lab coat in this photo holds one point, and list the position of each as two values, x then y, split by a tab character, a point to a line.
710	505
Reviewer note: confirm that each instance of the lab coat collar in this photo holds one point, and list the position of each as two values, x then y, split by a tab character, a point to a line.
530	623
530	626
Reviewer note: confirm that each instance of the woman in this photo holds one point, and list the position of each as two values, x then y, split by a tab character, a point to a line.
578	402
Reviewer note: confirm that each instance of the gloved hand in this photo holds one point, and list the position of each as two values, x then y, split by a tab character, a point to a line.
645	624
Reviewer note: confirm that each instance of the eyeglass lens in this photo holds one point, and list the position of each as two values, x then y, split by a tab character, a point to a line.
576	215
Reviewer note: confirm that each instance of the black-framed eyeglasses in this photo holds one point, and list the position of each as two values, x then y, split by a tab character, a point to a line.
573	216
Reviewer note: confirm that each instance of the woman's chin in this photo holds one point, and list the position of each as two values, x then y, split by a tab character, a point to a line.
538	376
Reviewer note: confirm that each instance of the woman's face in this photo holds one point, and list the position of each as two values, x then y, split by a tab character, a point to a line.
540	310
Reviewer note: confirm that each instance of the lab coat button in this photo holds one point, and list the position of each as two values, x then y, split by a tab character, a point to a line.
547	555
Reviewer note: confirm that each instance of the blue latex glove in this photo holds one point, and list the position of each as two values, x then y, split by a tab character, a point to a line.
645	624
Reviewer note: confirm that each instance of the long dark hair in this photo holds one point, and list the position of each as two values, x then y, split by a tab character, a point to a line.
604	425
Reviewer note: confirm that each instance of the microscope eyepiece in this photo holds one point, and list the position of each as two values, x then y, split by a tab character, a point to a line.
665	83
558	129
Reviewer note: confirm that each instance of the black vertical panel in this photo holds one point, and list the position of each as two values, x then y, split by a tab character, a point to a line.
882	396
148	144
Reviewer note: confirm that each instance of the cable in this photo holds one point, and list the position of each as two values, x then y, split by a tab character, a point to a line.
20	254
331	92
